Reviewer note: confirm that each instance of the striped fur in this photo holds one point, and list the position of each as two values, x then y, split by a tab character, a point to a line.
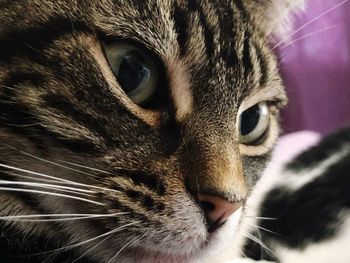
63	114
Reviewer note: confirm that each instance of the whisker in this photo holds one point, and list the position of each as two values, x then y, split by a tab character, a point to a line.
259	242
59	179
47	161
61	161
266	218
32	178
35	173
85	167
310	22
260	227
41	185
310	35
59	217
260	217
87	241
7	87
10	189
120	251
60	188
89	250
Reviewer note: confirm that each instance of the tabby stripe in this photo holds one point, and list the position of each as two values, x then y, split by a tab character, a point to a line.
24	120
246	56
149	180
242	9
5	4
181	23
134	212
264	67
92	123
25	41
208	33
146	200
225	15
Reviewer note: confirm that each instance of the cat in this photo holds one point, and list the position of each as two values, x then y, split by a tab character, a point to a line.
133	131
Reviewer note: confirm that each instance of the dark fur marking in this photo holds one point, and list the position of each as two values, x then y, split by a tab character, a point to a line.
85	119
328	146
146	200
181	23
309	214
194	6
247	60
25	42
227	33
151	181
23	119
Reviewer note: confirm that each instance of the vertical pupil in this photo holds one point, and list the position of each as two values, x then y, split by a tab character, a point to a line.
249	119
131	71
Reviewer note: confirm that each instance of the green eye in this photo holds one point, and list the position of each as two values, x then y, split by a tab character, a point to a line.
254	124
135	70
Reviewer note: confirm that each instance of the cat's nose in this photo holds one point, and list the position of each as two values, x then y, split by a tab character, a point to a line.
217	210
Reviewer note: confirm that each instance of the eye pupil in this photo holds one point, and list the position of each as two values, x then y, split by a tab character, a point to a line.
250	119
132	71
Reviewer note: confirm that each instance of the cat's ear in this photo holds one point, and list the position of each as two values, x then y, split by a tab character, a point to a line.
276	16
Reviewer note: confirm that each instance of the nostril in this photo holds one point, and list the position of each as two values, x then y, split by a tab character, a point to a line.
206	206
217	210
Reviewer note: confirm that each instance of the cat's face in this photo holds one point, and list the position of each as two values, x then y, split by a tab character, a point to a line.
137	108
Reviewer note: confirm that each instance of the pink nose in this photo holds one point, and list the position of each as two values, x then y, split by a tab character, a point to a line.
217	210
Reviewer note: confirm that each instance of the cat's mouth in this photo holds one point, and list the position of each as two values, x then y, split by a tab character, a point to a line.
212	245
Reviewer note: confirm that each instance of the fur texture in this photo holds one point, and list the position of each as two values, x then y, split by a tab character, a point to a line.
73	143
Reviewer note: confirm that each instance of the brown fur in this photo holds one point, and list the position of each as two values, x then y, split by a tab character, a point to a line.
60	104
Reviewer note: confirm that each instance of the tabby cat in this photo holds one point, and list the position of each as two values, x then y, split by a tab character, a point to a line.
133	131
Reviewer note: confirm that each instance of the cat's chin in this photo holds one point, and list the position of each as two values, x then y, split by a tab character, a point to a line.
192	251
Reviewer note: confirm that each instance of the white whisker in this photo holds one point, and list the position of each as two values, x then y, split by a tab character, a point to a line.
58	179
57	217
61	161
120	251
85	167
260	227
55	164
259	242
309	35
41	185
7	87
265	218
17	175
89	250
50	193
89	240
310	22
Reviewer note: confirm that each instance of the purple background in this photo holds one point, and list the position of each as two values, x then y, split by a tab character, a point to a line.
317	69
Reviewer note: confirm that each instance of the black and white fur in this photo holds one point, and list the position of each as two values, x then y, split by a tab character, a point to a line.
304	211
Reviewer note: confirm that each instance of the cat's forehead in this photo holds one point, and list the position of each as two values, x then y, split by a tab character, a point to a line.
213	52
214	46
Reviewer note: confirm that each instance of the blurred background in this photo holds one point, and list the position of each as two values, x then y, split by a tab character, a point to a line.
316	68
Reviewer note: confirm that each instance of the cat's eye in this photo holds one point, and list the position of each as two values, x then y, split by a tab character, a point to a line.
254	124
135	70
